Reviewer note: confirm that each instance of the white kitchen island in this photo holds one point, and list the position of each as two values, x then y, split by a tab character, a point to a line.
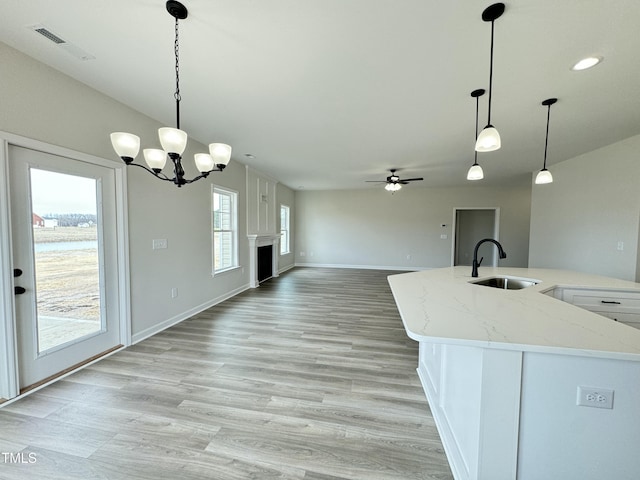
504	371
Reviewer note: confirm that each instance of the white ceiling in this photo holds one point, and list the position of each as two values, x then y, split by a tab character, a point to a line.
329	93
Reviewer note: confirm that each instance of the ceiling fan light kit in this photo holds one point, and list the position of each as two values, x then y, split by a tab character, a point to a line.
393	183
172	140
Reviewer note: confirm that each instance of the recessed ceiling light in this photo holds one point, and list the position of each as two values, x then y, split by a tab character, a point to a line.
586	63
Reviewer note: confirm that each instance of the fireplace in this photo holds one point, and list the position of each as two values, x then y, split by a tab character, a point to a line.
263	258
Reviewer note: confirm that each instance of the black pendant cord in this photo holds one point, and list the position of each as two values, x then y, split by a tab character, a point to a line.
477	94
546	139
490	75
475	158
177	94
491	14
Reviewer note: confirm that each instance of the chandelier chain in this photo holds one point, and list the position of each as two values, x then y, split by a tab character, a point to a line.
177	93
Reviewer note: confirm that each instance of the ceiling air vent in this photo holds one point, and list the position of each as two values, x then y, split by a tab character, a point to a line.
47	34
69	47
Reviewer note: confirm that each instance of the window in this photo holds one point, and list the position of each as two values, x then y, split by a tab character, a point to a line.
284	230
225	231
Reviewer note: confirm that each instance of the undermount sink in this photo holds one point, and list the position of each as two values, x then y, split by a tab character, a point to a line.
506	283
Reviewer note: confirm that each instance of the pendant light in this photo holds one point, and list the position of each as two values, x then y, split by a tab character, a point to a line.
173	140
489	138
475	172
544	175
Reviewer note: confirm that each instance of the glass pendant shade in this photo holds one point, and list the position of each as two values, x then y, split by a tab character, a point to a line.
172	140
475	173
220	152
544	176
155	158
392	187
126	145
488	140
204	162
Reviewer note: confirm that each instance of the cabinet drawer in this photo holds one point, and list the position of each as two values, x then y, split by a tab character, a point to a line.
605	300
630	319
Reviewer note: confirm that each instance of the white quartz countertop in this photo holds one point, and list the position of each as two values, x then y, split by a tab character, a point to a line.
441	306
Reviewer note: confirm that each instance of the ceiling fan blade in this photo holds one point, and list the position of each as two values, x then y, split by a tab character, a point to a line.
412	179
375	181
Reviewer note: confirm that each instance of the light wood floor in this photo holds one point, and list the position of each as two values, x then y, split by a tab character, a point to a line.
310	376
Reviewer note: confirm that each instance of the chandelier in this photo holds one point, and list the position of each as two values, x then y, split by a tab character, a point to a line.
173	140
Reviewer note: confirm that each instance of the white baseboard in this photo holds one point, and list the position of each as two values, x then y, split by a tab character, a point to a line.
284	269
364	267
138	337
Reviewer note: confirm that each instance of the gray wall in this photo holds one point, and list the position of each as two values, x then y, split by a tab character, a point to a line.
372	228
593	203
41	103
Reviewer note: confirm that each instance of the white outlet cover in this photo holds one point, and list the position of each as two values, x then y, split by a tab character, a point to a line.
595	397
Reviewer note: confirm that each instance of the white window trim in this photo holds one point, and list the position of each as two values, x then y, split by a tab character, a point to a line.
236	196
288	252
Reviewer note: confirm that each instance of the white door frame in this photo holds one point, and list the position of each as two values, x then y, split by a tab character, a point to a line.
496	229
9	384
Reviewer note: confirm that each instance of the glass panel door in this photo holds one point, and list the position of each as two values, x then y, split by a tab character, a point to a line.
64	236
67	267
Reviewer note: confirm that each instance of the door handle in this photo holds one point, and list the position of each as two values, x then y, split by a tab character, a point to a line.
19	290
609	302
17	272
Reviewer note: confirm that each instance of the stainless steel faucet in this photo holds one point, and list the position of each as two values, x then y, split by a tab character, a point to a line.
476	263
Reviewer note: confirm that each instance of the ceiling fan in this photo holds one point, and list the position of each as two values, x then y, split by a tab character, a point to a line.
393	181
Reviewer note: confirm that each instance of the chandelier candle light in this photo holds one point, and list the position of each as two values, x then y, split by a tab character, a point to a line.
544	175
489	138
475	172
173	140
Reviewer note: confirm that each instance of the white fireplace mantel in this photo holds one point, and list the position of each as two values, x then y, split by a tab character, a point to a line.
256	241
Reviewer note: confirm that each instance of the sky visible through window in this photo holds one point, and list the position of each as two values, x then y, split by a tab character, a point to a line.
53	192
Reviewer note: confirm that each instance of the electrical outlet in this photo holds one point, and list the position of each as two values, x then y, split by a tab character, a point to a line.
595	397
159	243
174	292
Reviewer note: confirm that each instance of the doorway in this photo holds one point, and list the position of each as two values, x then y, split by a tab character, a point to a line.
471	225
66	245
